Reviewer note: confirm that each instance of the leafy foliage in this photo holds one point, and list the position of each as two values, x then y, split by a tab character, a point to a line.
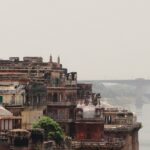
51	128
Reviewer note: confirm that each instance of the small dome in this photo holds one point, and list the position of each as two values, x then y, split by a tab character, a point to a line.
89	111
104	104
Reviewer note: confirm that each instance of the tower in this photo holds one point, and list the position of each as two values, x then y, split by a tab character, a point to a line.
51	59
58	60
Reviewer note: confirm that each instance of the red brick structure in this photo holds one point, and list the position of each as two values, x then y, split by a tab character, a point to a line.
89	130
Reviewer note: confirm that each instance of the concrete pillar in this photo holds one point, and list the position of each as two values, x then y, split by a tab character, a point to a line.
52	97
60	97
23	98
37	99
32	100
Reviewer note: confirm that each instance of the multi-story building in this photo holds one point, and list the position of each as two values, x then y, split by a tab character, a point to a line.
105	126
31	88
44	86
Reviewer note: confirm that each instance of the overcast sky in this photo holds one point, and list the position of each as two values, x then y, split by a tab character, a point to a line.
100	39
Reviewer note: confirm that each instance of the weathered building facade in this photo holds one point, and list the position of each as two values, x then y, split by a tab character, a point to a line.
31	88
44	86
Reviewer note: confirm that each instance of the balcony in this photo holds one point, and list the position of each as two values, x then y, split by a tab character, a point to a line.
13	104
60	118
71	83
98	120
61	103
122	128
124	121
105	144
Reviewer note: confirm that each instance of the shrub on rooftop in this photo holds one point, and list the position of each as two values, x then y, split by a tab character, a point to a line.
52	130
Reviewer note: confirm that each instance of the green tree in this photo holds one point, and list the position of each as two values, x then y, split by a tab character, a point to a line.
51	128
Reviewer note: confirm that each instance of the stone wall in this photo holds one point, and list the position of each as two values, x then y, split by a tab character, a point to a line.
29	117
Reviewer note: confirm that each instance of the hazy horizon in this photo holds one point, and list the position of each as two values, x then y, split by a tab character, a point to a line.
98	39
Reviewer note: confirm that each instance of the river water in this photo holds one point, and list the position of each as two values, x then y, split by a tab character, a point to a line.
143	115
132	98
144	134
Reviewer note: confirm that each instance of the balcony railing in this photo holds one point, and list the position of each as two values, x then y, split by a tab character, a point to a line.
115	143
60	118
122	121
61	103
71	83
91	119
110	128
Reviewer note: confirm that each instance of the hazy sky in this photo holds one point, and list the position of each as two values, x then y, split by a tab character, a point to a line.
100	39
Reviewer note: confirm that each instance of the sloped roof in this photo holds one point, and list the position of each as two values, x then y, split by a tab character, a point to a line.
4	112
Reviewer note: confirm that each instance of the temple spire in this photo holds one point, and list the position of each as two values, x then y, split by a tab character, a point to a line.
58	60
51	59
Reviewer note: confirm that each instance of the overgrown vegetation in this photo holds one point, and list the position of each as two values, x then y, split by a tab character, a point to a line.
52	130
